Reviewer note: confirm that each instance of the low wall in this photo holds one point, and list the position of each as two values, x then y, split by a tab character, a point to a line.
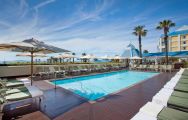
10	71
7	71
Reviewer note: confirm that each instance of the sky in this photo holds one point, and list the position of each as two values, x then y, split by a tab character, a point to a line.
99	27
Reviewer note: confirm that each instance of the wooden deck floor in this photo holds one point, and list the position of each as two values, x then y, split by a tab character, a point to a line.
61	104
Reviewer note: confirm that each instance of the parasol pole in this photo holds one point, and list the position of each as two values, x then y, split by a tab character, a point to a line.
31	66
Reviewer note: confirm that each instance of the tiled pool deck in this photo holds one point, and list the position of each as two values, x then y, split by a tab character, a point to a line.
61	104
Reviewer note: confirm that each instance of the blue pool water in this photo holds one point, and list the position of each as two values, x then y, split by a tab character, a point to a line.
96	86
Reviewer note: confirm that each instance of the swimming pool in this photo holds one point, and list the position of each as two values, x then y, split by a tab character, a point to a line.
94	87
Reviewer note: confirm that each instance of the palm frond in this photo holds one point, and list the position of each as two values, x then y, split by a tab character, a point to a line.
172	25
158	27
165	24
135	33
139	30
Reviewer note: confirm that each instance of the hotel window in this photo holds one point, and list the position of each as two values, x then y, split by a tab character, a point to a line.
184	42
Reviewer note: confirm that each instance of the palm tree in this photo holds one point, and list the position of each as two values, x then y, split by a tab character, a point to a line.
165	25
145	51
84	54
140	32
73	57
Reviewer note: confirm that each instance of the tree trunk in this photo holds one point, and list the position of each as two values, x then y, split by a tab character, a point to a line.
166	47
32	67
140	46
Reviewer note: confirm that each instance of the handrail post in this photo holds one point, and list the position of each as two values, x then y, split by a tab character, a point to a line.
55	84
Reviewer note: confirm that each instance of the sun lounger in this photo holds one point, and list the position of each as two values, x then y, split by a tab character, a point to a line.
162	113
11	84
180	71
183	81
1	100
172	114
156	67
83	70
176	99
140	67
151	67
178	103
180	94
16	90
24	80
18	96
31	93
181	87
162	96
184	77
185	72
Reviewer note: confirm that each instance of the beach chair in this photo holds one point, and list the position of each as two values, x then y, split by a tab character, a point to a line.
98	68
83	69
162	68
74	70
14	90
156	67
169	68
105	68
64	69
31	92
144	67
56	73
152	111
92	68
133	67
11	83
151	67
140	67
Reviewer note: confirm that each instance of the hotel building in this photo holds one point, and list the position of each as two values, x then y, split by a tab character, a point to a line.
177	40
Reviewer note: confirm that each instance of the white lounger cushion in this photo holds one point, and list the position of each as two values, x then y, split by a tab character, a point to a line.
34	91
16	95
161	99
165	91
143	116
24	80
151	109
175	79
180	72
170	85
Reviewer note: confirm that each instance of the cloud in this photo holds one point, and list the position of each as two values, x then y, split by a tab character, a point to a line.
87	27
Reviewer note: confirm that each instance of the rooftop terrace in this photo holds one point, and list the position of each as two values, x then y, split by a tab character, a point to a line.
62	104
